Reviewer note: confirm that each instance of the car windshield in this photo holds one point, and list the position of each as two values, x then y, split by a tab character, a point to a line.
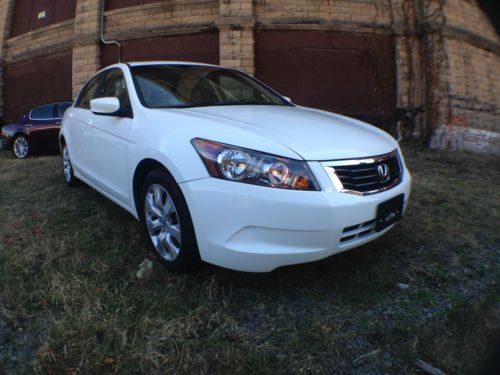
181	86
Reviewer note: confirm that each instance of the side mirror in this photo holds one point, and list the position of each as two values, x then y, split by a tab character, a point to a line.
287	99
105	106
109	106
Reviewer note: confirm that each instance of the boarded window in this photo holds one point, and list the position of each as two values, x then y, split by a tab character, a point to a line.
32	14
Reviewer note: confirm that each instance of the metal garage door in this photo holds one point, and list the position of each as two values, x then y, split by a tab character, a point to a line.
202	47
340	72
36	81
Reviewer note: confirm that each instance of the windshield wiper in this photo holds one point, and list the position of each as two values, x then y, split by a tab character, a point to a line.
217	104
230	103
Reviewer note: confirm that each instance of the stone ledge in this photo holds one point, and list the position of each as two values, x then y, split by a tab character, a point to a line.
42	30
347	26
464	138
59	47
160	4
164	30
454	32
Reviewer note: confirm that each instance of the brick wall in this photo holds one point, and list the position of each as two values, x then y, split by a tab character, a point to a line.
465	14
54	38
6	10
236	34
352	13
469	80
160	18
86	46
446	74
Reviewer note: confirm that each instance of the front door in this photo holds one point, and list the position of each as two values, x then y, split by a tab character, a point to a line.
107	152
78	128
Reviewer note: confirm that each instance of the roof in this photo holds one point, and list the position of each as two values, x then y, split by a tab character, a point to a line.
142	63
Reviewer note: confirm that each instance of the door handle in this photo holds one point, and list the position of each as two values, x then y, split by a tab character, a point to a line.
28	125
58	122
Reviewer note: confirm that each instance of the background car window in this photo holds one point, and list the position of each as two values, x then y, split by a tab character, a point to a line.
88	93
61	108
114	85
43	112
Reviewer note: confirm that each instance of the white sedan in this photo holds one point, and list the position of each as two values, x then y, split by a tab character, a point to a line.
221	168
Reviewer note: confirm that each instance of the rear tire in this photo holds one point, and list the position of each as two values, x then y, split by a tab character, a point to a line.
167	221
67	167
21	146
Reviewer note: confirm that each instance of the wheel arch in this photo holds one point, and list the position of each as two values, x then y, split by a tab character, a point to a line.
62	142
144	167
18	133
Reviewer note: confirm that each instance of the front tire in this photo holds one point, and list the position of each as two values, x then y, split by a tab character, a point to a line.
21	146
69	176
167	222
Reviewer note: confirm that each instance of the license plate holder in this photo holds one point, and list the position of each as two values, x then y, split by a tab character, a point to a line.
389	212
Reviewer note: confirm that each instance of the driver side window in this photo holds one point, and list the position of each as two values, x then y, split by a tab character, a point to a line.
114	85
88	93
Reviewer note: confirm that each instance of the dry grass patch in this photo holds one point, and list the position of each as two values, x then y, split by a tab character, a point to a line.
70	301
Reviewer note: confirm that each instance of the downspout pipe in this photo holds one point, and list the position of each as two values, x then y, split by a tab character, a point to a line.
104	41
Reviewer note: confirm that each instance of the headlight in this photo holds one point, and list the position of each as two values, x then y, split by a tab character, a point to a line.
253	167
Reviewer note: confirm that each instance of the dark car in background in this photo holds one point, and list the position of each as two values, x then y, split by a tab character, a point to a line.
35	131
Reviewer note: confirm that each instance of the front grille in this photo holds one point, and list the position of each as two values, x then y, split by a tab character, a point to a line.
367	175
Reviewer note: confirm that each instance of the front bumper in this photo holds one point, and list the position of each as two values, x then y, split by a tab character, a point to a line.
257	229
4	142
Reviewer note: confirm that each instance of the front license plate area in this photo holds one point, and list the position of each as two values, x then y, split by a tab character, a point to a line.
389	212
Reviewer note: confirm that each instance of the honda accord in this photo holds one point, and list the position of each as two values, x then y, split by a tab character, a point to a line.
221	168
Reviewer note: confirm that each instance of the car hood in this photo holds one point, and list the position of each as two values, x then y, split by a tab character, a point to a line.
311	133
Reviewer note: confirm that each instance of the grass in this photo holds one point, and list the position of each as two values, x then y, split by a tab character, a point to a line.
70	302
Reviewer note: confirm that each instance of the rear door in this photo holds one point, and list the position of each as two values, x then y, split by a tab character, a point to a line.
43	126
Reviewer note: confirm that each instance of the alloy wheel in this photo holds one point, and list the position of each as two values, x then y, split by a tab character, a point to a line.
67	165
162	221
21	147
